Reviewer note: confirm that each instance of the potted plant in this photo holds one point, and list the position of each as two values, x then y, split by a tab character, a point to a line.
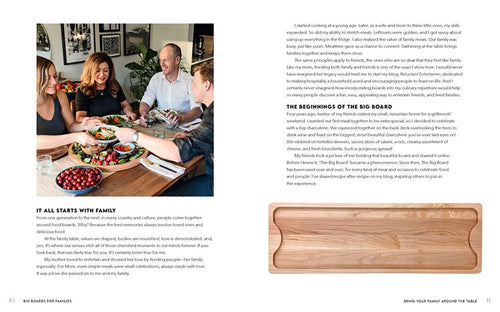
141	73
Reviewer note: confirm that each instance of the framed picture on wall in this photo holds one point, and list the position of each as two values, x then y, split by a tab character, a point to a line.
78	42
111	44
109	27
134	36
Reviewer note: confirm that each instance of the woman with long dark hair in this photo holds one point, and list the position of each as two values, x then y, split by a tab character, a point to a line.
99	93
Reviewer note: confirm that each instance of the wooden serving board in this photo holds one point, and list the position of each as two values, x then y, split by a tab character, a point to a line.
119	167
426	238
55	153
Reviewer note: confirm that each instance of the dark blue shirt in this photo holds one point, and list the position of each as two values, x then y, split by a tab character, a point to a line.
200	141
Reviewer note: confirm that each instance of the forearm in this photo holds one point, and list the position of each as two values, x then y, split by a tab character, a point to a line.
143	108
52	141
191	115
75	127
126	107
165	149
80	115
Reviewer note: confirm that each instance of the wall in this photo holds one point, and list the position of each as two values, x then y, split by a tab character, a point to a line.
181	34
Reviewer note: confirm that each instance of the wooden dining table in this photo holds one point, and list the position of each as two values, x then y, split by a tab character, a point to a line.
136	181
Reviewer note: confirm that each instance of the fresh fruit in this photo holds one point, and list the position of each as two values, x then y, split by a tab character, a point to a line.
67	86
123	148
78	178
107	157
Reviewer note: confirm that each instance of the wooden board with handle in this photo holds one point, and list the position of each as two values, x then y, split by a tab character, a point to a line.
410	238
55	153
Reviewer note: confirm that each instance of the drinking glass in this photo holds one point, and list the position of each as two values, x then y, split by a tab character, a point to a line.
44	164
159	133
149	121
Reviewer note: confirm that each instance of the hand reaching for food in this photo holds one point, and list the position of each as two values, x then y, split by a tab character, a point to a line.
89	122
85	139
124	134
131	116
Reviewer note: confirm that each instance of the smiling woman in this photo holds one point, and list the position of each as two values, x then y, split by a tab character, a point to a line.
99	93
54	117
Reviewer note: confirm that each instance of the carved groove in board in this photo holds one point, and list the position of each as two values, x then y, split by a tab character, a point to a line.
375	238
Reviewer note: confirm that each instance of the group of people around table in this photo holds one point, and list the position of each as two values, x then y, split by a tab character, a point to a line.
99	94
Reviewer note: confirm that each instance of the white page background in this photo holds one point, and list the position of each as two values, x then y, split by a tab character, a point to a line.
249	166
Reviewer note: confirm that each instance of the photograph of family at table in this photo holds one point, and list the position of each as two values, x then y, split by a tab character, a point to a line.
184	98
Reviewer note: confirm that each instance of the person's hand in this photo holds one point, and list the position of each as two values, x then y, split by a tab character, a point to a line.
173	118
85	139
132	116
180	135
124	134
142	121
89	122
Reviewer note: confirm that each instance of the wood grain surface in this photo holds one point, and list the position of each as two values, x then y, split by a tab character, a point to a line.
440	238
55	153
140	181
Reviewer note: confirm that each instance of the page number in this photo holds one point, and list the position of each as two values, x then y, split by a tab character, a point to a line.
488	300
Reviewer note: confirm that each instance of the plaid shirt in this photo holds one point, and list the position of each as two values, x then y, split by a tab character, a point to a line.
200	141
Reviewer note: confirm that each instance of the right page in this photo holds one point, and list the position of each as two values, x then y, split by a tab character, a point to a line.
387	157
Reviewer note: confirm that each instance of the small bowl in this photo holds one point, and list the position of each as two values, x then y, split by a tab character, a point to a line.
131	145
82	191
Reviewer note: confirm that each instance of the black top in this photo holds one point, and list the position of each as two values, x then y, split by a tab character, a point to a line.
102	104
54	126
200	141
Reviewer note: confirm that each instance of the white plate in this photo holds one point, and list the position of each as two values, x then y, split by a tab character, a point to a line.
114	128
121	116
